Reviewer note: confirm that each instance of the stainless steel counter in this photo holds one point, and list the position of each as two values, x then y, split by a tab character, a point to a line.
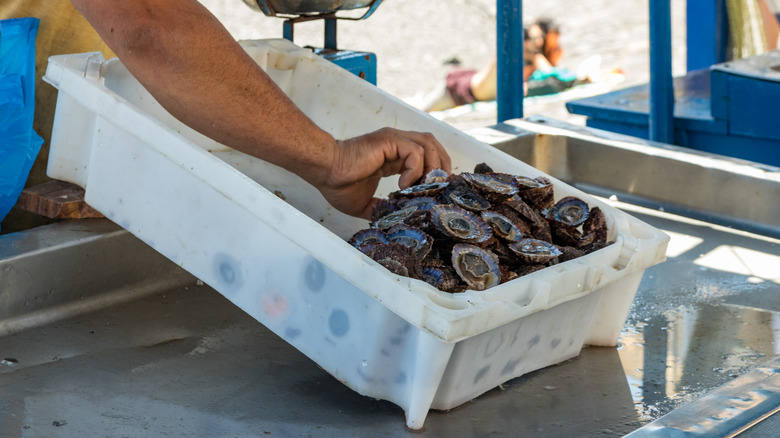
100	336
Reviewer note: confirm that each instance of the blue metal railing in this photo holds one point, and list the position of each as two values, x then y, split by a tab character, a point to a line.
509	47
706	33
661	121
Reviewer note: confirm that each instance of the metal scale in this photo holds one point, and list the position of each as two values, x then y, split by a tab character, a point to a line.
509	41
362	64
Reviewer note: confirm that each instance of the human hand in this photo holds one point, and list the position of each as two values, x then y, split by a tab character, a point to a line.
360	162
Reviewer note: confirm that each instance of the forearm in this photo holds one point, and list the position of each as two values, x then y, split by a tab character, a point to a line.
194	68
188	61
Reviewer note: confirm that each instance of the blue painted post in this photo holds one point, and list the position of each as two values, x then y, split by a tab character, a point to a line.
330	33
509	47
706	32
661	123
287	29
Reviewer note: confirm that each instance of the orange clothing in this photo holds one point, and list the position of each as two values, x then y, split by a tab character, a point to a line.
552	50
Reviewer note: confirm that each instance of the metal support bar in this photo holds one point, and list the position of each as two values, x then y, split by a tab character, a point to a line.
707	33
330	33
509	47
330	27
661	121
287	29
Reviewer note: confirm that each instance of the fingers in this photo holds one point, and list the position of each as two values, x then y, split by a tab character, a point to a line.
361	162
412	171
435	156
419	152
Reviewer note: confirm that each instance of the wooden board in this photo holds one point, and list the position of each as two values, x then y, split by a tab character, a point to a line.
58	200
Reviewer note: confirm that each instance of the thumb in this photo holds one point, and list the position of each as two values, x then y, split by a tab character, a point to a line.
366	214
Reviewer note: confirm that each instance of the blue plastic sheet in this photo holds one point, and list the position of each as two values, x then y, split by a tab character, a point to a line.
19	144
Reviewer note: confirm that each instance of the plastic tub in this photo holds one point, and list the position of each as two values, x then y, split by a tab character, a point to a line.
269	243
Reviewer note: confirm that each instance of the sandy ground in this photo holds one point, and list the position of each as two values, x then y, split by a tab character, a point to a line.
413	38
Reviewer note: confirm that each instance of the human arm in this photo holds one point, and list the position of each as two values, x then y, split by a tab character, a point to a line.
552	49
189	62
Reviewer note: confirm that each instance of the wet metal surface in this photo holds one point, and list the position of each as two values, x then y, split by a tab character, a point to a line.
174	358
744	406
186	362
708	315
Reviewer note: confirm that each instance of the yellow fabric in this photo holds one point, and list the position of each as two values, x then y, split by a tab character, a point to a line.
746	28
62	30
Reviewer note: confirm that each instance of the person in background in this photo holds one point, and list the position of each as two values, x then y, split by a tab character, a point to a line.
541	52
541	49
181	53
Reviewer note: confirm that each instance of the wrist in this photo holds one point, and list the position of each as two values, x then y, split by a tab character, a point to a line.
315	164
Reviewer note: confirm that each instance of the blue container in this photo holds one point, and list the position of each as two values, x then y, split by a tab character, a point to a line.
728	109
19	144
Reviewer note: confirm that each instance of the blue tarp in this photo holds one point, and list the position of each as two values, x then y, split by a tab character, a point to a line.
19	144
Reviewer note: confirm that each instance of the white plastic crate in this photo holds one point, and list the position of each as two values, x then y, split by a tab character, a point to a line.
268	242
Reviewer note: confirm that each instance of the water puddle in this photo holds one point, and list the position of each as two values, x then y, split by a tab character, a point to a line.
677	355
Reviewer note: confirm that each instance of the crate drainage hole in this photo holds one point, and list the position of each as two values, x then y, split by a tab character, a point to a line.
775	68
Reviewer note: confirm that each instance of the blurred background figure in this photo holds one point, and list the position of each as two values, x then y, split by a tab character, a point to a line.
753	26
541	75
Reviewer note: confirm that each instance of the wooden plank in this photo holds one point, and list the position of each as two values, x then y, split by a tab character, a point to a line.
57	200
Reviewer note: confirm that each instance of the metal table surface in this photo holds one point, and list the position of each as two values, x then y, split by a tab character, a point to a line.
164	355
